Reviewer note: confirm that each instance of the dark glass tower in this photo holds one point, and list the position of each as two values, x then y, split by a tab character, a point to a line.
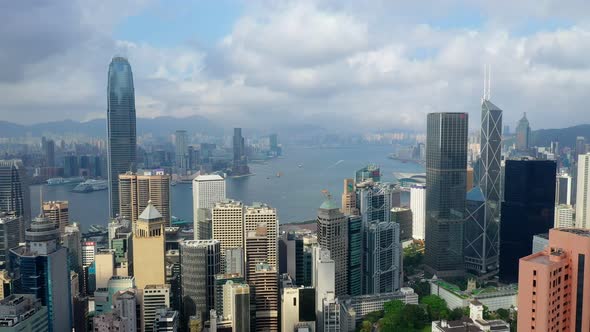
482	225
121	127
14	192
446	168
528	209
240	162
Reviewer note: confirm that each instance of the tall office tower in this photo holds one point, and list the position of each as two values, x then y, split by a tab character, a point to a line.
523	134
23	312
418	207
264	287
121	132
57	212
14	191
323	277
482	226
167	320
234	261
174	278
200	262
228	226
88	252
376	199
349	198
403	217
297	308
259	214
221	281
9	235
553	284
382	268
104	267
152	298
528	209
563	190
71	167
331	311
580	147
135	191
181	147
370	172
236	305
564	216
207	190
355	256
256	249
72	239
446	164
583	188
40	267
49	152
240	161
332	228
148	248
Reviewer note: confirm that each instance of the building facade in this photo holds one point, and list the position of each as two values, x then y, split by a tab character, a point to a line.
582	189
149	248
58	212
135	191
418	207
228	226
332	228
121	132
207	190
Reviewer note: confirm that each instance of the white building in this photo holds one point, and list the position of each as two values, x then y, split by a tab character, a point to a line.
583	188
207	190
418	207
365	304
499	298
540	241
228	226
295	311
323	279
88	253
564	216
475	322
262	214
151	298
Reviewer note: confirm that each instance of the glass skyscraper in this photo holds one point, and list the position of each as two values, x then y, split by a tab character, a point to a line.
446	168
483	202
121	127
14	192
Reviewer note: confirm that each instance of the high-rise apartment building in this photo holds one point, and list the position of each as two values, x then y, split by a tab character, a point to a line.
482	225
121	131
564	190
264	287
582	190
553	293
528	209
446	165
564	216
349	207
14	192
418	207
228	226
148	248
332	228
58	212
207	190
152	298
261	215
523	134
181	148
135	191
200	263
40	267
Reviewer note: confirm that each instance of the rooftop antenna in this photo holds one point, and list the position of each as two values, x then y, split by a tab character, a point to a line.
487	82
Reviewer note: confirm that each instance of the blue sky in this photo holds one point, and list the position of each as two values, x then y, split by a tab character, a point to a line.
340	64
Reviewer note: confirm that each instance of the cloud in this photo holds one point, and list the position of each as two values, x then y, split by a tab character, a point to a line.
342	65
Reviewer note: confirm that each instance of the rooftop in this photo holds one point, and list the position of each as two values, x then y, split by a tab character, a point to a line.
150	213
208	177
577	231
329	204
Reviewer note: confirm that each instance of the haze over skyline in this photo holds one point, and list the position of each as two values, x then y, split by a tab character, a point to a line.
374	65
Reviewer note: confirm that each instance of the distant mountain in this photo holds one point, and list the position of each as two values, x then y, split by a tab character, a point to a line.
160	126
565	136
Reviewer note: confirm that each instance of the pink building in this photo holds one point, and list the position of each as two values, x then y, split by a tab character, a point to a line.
554	285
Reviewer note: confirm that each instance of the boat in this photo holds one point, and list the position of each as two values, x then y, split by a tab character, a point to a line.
91	185
279	174
60	180
300	165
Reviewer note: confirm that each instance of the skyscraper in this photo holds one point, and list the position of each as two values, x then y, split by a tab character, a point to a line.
9	235
121	131
57	212
528	209
382	254
152	298
580	147
181	147
564	190
418	207
564	216
349	198
200	262
264	287
332	228
48	147
553	284
240	161
236	305
14	191
135	191
583	188
40	267
523	134
323	277
207	190
482	225
148	248
297	307
355	256
403	217
261	215
446	165
228	226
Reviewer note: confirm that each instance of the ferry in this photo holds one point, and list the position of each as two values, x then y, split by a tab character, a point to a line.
60	180
91	185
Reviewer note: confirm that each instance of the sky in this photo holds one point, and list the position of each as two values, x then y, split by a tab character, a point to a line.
344	65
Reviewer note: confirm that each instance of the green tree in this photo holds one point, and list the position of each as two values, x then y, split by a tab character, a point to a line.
422	288
457	313
366	326
436	307
503	314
